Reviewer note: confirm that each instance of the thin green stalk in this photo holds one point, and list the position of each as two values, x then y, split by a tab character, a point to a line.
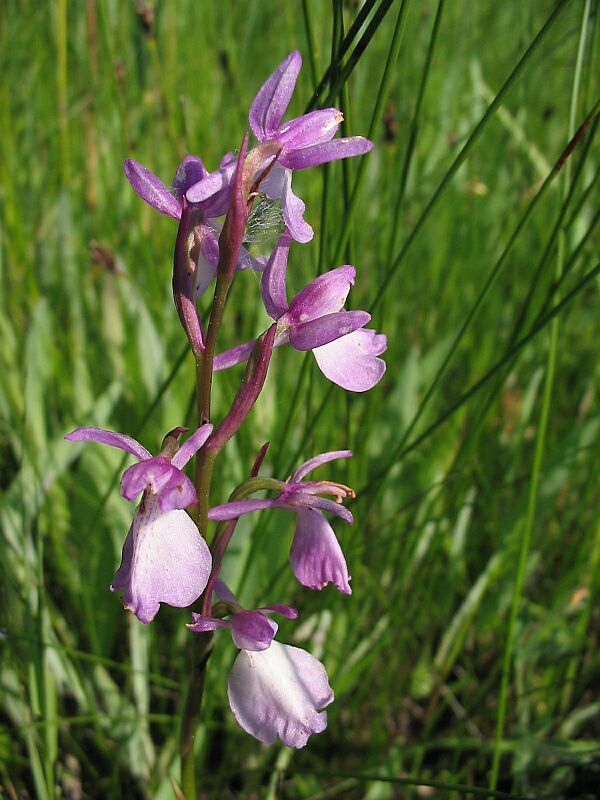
458	161
61	81
311	44
414	128
359	21
540	443
478	385
466	148
380	102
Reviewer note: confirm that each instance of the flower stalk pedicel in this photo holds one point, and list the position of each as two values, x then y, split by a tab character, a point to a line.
275	691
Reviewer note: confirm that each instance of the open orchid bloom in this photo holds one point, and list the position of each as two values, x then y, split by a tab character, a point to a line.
346	352
315	556
275	690
164	559
306	141
205	228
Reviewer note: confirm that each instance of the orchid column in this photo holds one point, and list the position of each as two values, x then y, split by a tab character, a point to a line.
275	690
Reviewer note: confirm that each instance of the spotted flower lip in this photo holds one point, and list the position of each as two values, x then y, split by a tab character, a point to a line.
315	555
346	352
164	558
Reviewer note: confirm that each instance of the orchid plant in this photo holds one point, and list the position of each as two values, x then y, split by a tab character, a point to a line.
275	690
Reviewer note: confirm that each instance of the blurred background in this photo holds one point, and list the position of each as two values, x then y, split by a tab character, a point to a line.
467	655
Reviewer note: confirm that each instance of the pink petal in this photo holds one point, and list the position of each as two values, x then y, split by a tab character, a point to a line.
190	171
236	508
279	692
351	361
179	492
151	189
251	630
165	560
110	438
274	96
300	500
214	187
280	608
315	462
273	286
229	358
309	129
202	624
325	152
316	556
153	473
325	295
191	446
321	331
278	186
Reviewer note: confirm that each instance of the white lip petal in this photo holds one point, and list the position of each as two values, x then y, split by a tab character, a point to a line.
279	692
166	560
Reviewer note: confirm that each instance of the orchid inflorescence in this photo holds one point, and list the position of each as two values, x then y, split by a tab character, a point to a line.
275	690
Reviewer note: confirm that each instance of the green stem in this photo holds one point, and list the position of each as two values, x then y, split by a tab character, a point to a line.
202	647
539	449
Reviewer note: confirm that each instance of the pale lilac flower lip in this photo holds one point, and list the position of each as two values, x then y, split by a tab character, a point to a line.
346	352
280	693
275	690
315	556
164	558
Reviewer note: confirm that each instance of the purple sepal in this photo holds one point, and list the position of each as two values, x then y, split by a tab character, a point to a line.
325	295
236	355
273	284
274	96
110	438
184	282
279	692
321	331
251	630
151	189
191	446
324	152
316	461
280	608
316	556
164	560
202	624
237	508
310	129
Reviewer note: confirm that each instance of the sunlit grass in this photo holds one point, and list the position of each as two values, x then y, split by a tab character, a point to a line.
456	225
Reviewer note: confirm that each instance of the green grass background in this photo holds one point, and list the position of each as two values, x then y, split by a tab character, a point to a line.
467	655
